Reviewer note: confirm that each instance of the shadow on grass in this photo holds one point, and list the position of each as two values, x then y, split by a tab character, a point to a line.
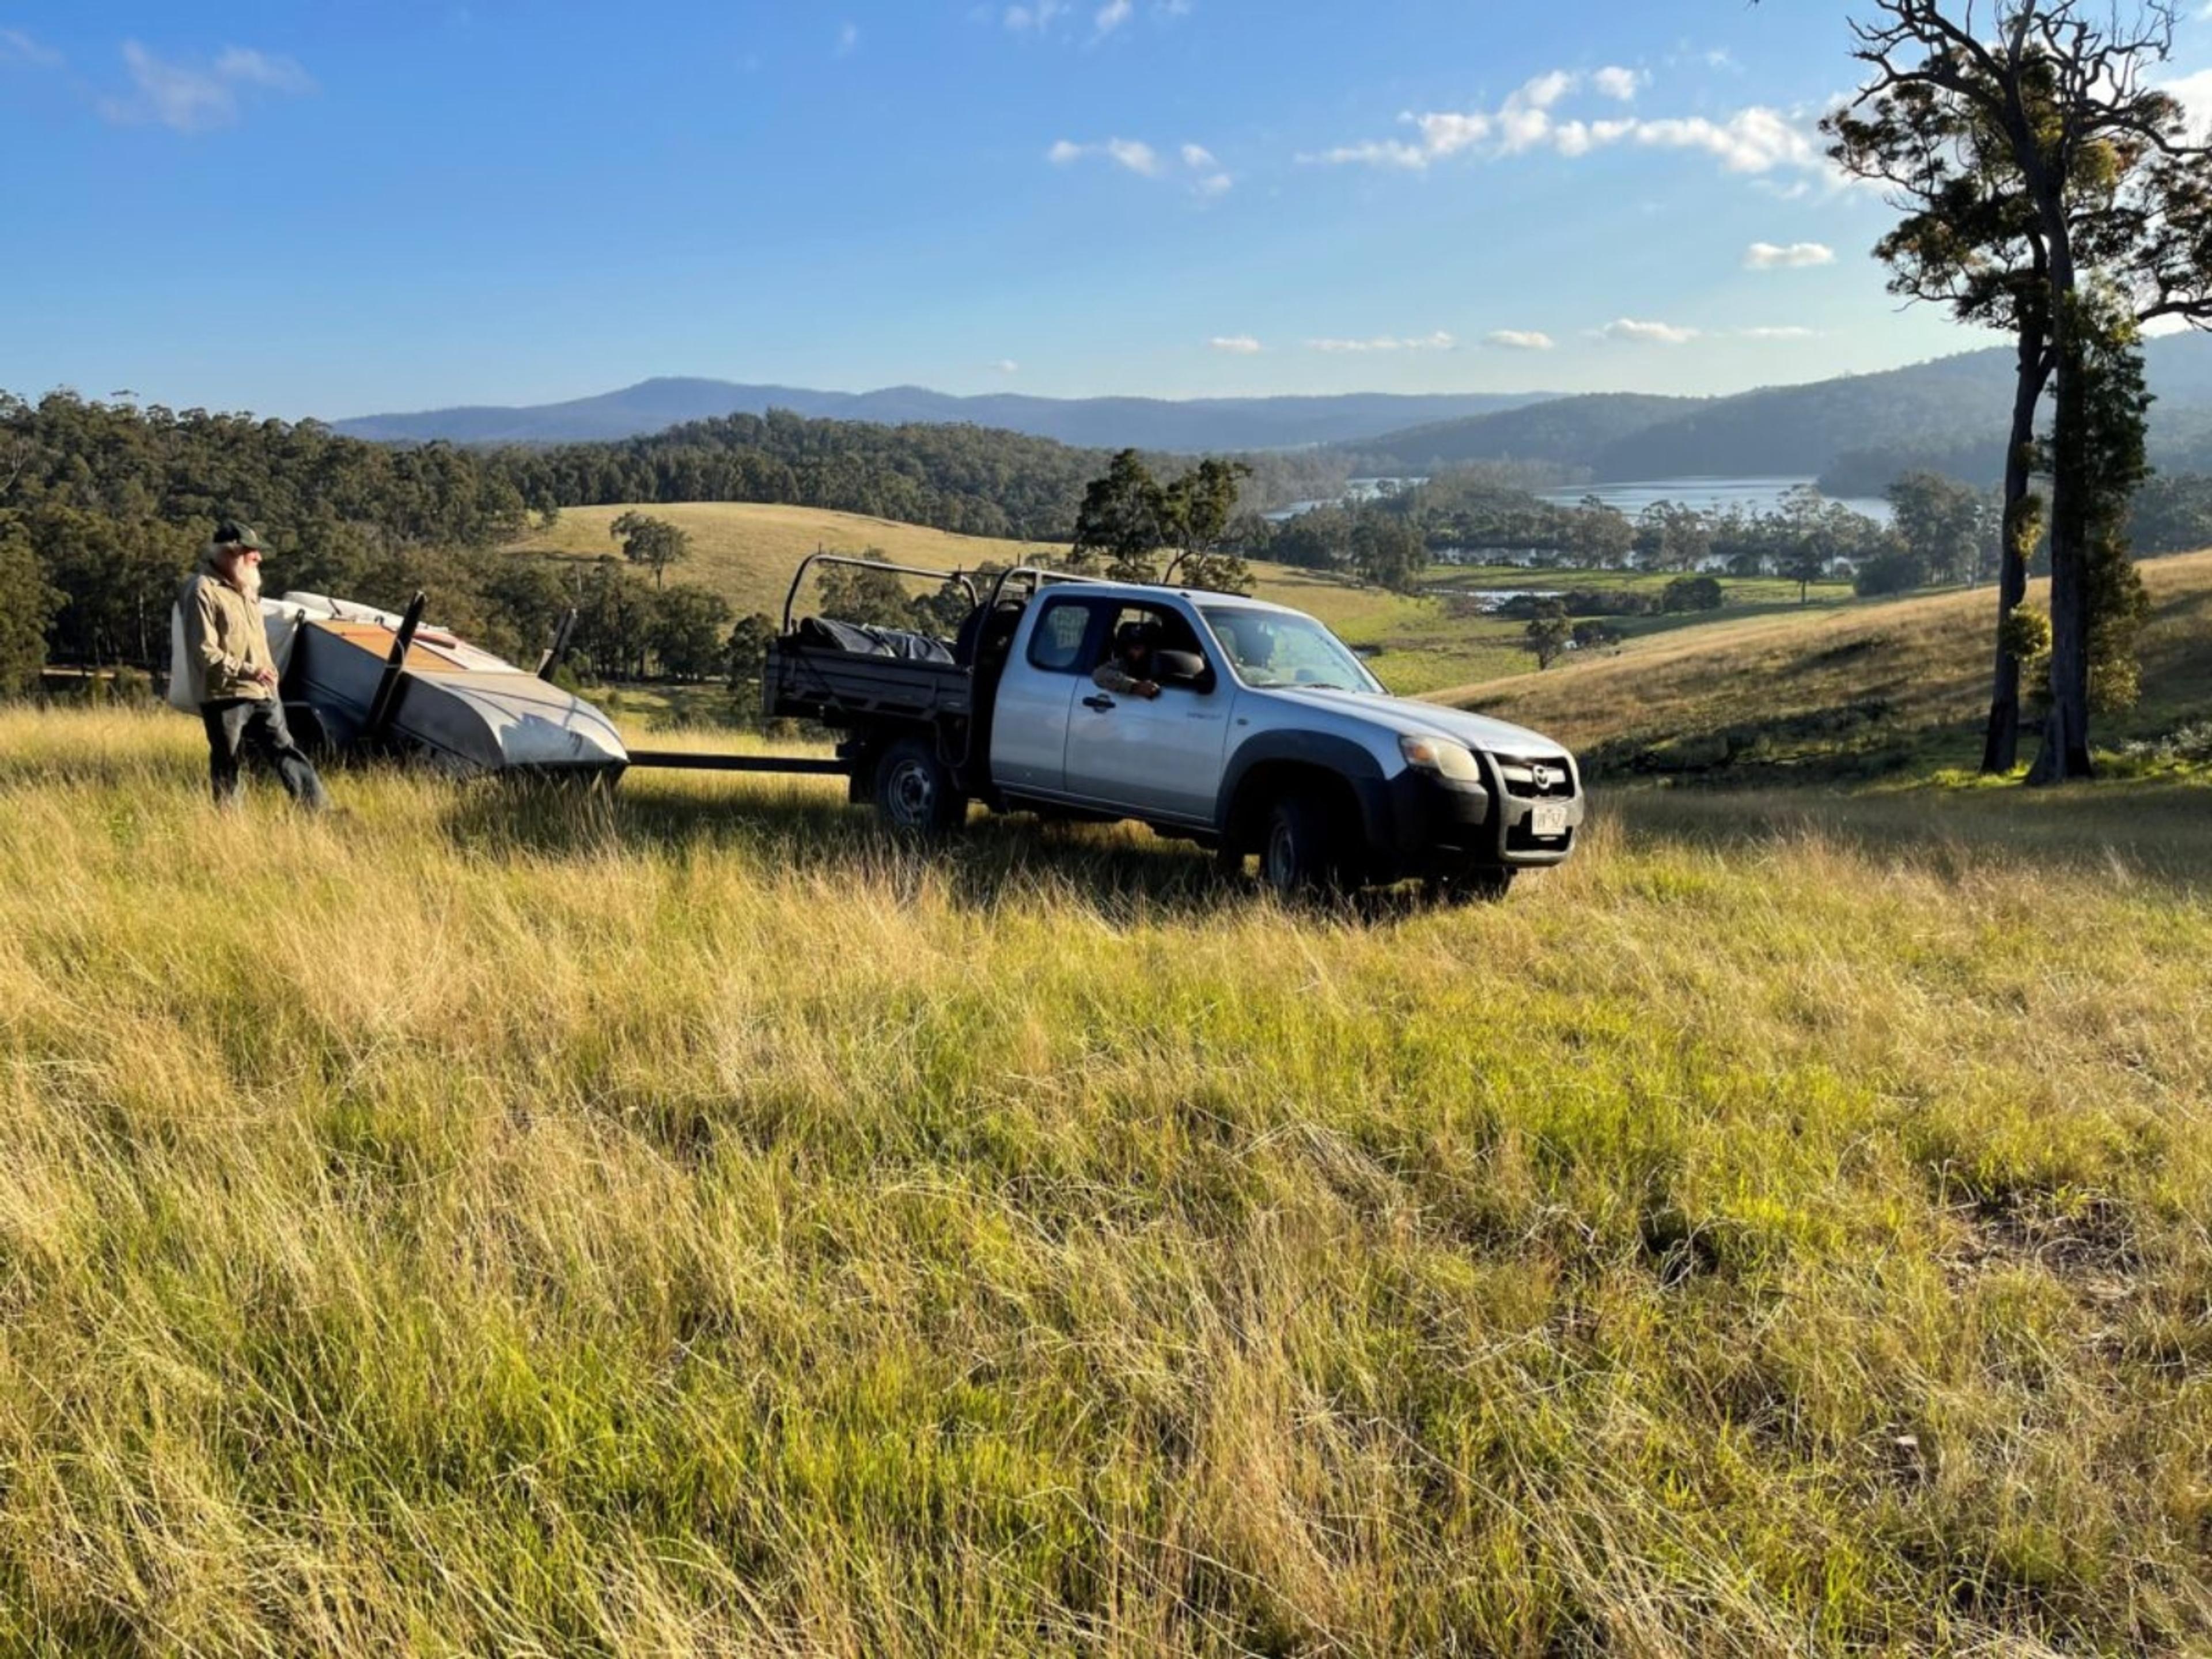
1118	871
2121	830
813	834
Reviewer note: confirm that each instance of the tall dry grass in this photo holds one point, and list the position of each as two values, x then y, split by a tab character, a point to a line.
497	1222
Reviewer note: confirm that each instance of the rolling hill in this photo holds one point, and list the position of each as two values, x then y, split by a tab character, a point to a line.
1861	690
1201	424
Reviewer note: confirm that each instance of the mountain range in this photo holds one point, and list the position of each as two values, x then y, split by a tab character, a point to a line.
1198	423
1855	433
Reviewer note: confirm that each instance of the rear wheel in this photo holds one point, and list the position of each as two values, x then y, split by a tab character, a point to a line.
1301	849
915	791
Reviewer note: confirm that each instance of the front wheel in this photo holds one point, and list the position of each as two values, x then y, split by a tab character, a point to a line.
915	791
1300	853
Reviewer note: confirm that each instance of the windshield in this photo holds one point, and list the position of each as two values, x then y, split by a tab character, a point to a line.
1279	647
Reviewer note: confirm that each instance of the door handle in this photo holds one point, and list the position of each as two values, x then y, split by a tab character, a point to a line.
1101	703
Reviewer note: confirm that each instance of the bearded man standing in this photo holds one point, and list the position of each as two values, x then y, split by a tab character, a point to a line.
233	674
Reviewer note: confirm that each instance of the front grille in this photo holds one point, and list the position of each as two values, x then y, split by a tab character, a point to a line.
1520	779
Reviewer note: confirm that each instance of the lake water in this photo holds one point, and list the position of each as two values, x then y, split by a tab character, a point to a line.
1355	490
1706	495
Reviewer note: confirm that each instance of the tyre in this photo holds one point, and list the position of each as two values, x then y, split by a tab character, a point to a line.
915	791
1301	849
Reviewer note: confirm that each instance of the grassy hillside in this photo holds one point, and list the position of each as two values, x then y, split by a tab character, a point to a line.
747	552
681	1222
1872	686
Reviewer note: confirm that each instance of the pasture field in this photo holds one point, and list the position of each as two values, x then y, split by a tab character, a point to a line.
681	1221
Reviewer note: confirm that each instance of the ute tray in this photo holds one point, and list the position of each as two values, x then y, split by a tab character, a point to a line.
821	683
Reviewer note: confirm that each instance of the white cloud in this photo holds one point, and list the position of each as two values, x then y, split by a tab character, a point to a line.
1131	153
1140	158
1136	156
1007	365
1376	153
193	98
1213	179
1518	339
1044	17
1791	332
848	39
17	47
1628	328
2194	92
258	69
1755	140
1438	341
1616	83
1794	256
1242	345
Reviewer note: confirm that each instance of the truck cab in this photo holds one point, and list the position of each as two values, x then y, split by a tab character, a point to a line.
1265	736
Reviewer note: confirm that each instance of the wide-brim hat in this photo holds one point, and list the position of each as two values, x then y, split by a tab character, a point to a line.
231	533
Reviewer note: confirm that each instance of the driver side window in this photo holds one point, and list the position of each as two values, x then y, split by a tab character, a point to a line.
1168	629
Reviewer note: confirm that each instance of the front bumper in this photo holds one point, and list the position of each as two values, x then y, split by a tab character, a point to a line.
1439	827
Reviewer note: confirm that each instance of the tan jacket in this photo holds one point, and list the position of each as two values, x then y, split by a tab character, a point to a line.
224	639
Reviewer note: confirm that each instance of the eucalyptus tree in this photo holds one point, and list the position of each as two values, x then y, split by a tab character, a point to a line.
2046	188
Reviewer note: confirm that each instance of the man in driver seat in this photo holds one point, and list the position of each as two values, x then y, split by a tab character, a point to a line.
1128	671
1251	641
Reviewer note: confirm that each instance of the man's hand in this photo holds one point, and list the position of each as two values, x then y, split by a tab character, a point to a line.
266	677
1147	689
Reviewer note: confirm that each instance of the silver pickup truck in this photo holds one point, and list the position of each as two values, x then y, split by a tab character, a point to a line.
1253	731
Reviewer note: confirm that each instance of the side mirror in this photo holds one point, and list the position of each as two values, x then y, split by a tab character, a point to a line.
1185	668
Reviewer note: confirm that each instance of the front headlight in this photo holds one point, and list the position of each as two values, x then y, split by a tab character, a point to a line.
1443	756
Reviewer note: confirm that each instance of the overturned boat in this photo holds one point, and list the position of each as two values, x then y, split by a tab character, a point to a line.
355	680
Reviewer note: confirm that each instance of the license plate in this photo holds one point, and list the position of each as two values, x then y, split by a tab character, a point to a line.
1547	818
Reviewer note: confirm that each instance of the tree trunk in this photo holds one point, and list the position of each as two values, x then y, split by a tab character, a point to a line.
2001	744
2065	752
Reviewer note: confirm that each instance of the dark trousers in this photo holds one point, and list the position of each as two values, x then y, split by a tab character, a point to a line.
253	728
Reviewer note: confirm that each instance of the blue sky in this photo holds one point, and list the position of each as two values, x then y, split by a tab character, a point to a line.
357	205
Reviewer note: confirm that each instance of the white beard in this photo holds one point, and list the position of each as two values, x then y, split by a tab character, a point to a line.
247	581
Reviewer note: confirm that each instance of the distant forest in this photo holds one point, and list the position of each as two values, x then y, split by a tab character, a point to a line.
104	507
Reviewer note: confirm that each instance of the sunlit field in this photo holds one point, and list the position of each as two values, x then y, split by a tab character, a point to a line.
681	1220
